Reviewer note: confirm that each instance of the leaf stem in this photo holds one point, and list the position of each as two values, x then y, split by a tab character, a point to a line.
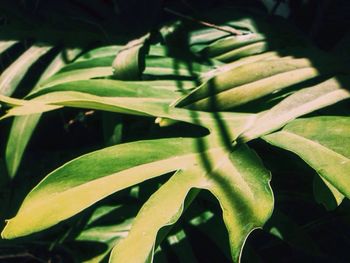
227	29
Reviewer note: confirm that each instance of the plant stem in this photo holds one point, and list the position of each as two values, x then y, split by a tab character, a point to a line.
227	29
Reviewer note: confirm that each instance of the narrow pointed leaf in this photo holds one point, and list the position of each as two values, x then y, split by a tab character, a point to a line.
230	43
164	66
23	126
252	49
63	58
79	74
237	85
21	130
100	52
13	75
109	88
230	125
4	45
105	61
300	103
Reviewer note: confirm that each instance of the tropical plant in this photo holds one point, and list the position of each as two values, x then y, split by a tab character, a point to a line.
236	85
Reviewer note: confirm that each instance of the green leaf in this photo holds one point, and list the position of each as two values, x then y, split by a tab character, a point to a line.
239	182
63	58
23	127
107	234
164	66
326	194
181	86
112	125
100	52
107	51
237	85
230	43
129	63
21	131
13	75
323	143
230	125
74	75
300	103
109	88
163	208
105	61
235	64
119	167
4	45
245	51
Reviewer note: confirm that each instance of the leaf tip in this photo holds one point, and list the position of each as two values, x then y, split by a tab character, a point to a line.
5	233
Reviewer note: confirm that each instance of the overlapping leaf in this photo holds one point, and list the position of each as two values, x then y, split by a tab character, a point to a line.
301	102
23	127
241	175
12	76
229	170
322	142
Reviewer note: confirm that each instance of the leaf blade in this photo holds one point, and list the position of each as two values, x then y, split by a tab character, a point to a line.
323	143
137	161
300	103
12	76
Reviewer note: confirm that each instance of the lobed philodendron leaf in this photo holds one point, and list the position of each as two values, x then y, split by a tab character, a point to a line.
323	143
237	179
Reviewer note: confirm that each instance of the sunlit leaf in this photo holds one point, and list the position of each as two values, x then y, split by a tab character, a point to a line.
12	76
129	62
239	182
119	167
323	143
4	45
300	103
23	127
